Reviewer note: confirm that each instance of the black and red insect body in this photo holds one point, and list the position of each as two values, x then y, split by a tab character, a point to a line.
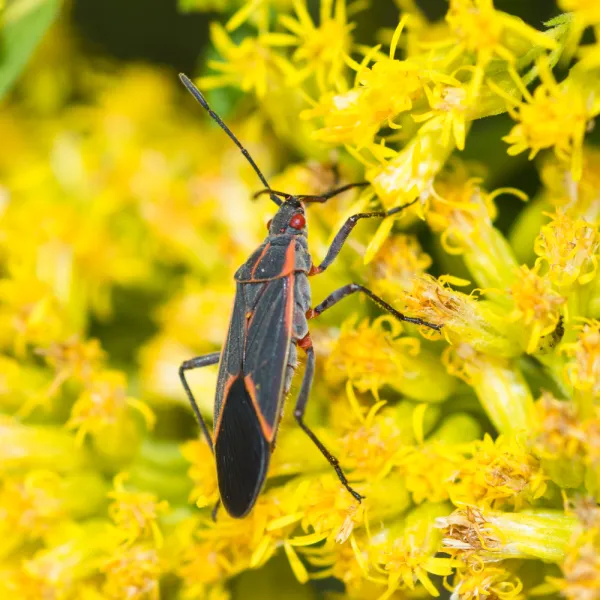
269	322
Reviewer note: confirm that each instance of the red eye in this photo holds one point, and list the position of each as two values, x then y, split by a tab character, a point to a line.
298	221
269	223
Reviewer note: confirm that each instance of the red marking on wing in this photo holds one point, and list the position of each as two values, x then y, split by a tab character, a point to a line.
262	254
226	389
266	428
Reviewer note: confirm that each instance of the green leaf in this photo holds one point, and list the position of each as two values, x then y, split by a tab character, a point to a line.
23	25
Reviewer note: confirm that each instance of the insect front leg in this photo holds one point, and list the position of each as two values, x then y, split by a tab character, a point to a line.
190	365
307	380
352	288
344	232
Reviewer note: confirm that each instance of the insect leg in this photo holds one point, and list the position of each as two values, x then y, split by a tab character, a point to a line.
351	288
344	232
299	414
189	365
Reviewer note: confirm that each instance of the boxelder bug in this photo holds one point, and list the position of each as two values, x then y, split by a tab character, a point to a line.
269	320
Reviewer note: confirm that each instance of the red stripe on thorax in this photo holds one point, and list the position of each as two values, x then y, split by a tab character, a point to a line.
261	256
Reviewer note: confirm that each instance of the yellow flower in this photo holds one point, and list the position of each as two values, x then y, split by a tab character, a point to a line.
319	50
576	198
61	569
536	307
74	359
29	507
463	212
104	403
498	473
484	581
559	428
202	567
460	209
399	260
569	249
583	370
252	66
587	11
499	385
429	471
450	106
344	119
581	568
473	535
132	572
381	92
346	562
374	355
202	472
556	116
482	30
259	11
410	558
464	319
135	513
29	313
328	509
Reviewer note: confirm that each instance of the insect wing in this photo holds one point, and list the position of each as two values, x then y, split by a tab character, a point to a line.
230	363
249	392
267	347
241	451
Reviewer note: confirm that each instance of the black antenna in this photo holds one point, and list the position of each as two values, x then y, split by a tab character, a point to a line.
192	89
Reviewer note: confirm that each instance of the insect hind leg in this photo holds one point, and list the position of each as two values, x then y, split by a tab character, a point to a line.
190	365
299	415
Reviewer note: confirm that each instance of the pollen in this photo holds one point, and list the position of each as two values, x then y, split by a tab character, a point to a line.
569	249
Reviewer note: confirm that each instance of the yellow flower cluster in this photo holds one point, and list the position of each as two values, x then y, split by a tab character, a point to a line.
123	216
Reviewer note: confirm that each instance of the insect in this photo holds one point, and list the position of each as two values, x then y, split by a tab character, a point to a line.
268	323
